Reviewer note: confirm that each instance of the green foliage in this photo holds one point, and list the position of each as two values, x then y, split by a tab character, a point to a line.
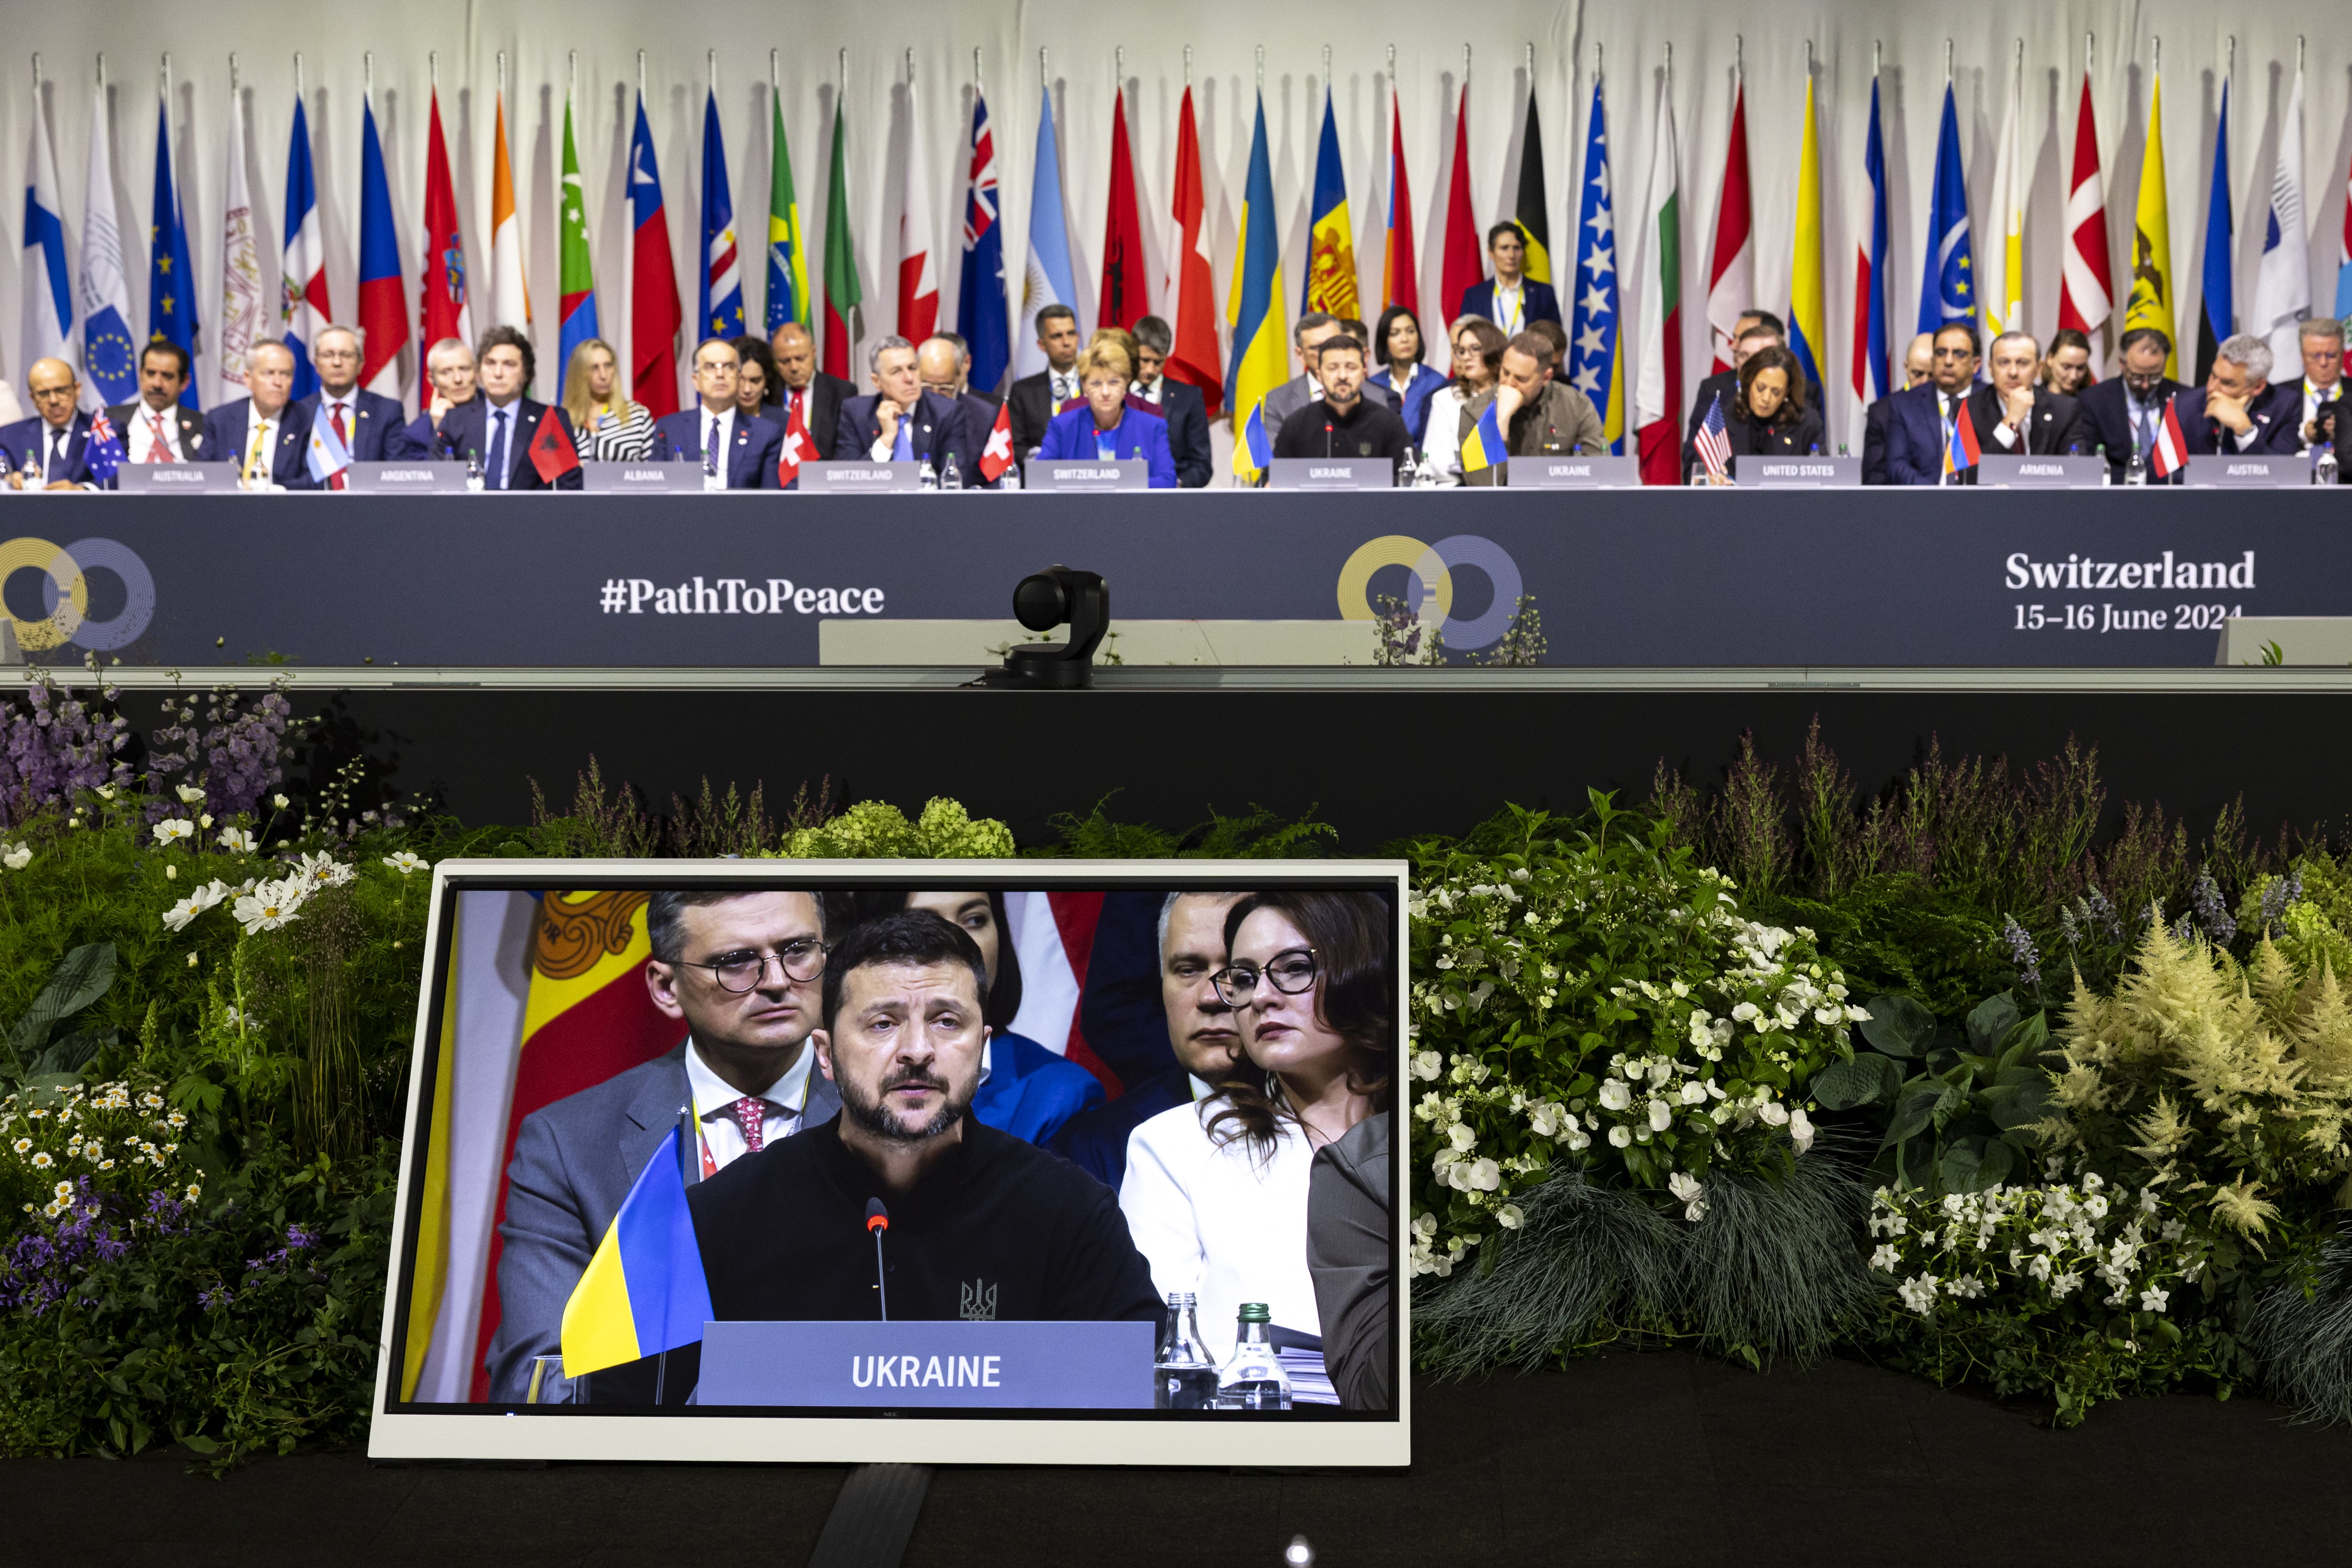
876	829
1258	834
1897	934
1959	1107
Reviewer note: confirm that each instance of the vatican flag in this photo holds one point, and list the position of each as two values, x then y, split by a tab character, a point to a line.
2151	279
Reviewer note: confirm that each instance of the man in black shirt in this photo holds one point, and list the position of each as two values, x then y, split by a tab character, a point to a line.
1345	424
980	1224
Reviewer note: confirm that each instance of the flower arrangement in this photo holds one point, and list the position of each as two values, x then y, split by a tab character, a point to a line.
117	1139
1597	1002
872	829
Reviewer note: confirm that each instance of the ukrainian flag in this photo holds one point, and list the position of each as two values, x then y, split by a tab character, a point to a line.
644	1292
1807	308
1484	447
1255	307
1331	246
1255	444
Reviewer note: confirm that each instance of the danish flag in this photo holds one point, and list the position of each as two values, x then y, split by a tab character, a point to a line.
997	456
797	449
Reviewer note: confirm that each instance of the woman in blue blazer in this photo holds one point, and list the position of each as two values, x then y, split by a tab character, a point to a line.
1106	426
1396	345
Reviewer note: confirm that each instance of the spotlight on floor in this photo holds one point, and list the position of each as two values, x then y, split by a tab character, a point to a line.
1059	595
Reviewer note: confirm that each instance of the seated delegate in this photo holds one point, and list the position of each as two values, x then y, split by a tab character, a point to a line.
1767	416
1105	428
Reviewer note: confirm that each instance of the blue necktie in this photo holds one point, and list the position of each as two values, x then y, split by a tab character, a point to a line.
710	446
495	475
903	450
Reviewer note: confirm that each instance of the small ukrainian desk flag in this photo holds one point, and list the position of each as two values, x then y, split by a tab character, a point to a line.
1257	449
1484	447
644	1292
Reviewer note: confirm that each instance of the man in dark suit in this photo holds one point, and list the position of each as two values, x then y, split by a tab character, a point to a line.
1919	418
900	422
1306	340
1199	1030
155	427
449	372
2238	409
801	387
2123	411
54	444
737	452
741	974
1510	299
267	437
1917	362
943	362
373	428
1186	411
496	428
1036	399
2016	417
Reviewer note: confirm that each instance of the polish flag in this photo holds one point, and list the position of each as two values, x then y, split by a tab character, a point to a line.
997	455
1054	934
919	272
2086	293
796	449
1731	278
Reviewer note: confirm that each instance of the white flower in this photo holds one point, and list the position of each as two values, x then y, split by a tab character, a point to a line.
1486	1175
1616	1096
1688	1193
178	917
194	1192
2154	1300
1544	1119
316	871
1772	1113
1462	1137
1661	1116
237	841
16	857
1509	1217
1745	1013
172	828
1801	1130
188	797
1427	1064
1920	1294
1694	1093
1620	1136
1887	1258
2094	1205
22	1145
268	905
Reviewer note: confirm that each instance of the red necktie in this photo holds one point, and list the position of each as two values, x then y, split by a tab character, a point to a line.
344	436
160	451
752	1115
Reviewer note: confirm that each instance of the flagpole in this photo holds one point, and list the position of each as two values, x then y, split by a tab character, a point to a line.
433	70
1260	69
1947	62
367	75
1187	64
712	60
641	78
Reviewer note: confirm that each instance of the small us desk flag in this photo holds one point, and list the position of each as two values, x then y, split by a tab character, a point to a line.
1714	440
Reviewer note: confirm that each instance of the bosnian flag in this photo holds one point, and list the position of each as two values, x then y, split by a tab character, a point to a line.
2171	453
997	455
327	456
303	311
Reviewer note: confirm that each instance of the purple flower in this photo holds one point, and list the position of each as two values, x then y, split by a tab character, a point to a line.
297	1236
216	1300
2022	950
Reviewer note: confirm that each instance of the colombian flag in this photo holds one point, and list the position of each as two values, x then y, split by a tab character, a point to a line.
1260	363
1484	447
644	1292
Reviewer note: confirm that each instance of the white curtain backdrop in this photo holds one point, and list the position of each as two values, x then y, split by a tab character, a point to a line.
539	39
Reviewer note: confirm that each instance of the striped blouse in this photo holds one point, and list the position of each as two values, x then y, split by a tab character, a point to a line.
623	438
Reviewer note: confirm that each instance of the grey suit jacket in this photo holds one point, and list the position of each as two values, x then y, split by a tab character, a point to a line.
574	1162
1296	392
1350	1255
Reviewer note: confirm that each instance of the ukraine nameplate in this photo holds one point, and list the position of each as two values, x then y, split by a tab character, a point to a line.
936	1364
1331	474
1551	471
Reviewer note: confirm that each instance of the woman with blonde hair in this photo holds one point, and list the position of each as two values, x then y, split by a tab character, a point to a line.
1105	427
606	428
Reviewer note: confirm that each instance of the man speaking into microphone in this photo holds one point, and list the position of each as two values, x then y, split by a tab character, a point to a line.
980	1224
1345	423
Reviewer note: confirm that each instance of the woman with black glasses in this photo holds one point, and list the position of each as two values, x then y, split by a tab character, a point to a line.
1215	1193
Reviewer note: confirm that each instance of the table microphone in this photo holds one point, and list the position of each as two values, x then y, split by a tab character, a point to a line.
1326	438
878	1220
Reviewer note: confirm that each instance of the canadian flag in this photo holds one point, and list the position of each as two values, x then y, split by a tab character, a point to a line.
997	456
797	449
2172	454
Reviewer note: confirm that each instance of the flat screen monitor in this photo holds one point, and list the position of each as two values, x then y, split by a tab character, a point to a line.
928	1162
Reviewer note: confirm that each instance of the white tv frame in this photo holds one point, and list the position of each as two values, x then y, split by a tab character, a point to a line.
413	1432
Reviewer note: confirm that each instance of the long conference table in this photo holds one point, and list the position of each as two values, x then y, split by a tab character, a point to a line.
1622	579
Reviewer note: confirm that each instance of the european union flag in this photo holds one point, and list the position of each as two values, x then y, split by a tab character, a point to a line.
170	281
1948	287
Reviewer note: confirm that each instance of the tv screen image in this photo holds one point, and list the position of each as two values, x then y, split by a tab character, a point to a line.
1025	1162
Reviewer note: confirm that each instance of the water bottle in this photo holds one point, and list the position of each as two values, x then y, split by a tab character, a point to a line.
950	477
1012	479
473	470
712	479
1184	1377
2323	464
929	478
1252	1377
1406	472
31	472
2136	471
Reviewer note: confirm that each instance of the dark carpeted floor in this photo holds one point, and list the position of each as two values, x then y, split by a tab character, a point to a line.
1664	1459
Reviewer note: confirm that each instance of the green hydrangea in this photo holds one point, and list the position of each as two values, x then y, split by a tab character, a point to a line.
877	830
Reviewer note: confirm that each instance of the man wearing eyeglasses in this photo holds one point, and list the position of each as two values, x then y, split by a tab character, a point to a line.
743	972
2126	411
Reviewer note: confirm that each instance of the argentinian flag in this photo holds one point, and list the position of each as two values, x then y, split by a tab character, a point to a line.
327	456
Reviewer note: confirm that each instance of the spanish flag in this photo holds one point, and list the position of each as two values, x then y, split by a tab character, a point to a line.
1484	448
644	1292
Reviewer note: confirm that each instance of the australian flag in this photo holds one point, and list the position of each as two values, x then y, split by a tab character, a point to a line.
105	450
981	310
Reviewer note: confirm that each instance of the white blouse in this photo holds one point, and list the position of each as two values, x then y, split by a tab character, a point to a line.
1442	436
1213	1221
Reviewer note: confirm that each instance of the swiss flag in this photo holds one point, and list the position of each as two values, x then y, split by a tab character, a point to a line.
997	456
551	451
2172	454
797	449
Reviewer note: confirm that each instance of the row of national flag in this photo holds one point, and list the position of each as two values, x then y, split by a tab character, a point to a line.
89	307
